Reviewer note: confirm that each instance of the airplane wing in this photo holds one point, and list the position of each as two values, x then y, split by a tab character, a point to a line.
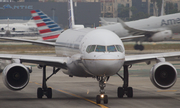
41	60
134	31
132	59
131	37
32	41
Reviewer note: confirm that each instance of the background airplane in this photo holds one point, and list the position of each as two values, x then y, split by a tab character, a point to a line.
12	29
154	28
87	52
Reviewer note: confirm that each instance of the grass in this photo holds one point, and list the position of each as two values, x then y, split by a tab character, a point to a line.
155	46
39	49
30	49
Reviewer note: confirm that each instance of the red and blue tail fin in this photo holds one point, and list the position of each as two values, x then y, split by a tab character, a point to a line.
48	29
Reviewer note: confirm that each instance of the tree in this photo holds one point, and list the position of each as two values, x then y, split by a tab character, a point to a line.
123	12
171	8
137	15
15	0
159	4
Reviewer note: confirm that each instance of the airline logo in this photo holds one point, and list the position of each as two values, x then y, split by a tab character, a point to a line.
170	22
8	6
48	29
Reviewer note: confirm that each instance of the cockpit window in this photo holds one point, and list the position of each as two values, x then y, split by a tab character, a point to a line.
119	48
92	48
88	48
111	48
100	48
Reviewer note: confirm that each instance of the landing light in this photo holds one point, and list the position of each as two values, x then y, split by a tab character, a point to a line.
102	95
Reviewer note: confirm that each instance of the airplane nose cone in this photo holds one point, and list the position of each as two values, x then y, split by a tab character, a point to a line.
106	65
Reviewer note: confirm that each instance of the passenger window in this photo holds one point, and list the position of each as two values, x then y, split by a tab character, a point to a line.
100	48
119	48
111	48
91	49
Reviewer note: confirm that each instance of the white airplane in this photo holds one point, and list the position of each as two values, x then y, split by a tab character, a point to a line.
154	28
18	28
87	52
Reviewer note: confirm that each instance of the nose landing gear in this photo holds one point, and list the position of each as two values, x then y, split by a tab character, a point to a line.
102	85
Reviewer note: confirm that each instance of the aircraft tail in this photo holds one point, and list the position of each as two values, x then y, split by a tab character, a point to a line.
48	29
71	17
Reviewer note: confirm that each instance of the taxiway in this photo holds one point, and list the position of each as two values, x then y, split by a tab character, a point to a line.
74	92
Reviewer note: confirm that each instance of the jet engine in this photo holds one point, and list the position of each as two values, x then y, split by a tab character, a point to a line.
161	36
163	75
16	76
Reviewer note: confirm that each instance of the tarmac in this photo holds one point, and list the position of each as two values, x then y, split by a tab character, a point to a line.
75	92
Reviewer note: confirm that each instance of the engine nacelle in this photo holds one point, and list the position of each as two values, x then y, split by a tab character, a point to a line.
162	36
15	76
163	75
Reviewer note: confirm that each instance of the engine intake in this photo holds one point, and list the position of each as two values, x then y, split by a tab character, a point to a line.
13	29
2	29
163	75
15	76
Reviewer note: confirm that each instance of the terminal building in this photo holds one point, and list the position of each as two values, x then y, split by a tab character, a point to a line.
86	13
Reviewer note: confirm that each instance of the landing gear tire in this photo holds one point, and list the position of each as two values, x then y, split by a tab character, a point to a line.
138	47
105	99
125	89
120	92
141	47
98	99
129	92
49	93
45	90
39	93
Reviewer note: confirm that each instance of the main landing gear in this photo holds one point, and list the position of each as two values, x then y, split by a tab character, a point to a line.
45	90
121	91
139	47
102	85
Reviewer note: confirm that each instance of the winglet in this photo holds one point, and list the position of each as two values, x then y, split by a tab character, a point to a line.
48	29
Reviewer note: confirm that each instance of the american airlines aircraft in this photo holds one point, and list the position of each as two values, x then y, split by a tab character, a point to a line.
13	29
86	52
154	28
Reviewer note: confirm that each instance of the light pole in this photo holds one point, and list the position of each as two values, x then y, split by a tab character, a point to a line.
53	11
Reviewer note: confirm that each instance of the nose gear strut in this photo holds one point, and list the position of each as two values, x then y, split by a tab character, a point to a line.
102	84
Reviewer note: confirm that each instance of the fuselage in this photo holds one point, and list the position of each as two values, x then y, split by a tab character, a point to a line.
17	29
91	52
